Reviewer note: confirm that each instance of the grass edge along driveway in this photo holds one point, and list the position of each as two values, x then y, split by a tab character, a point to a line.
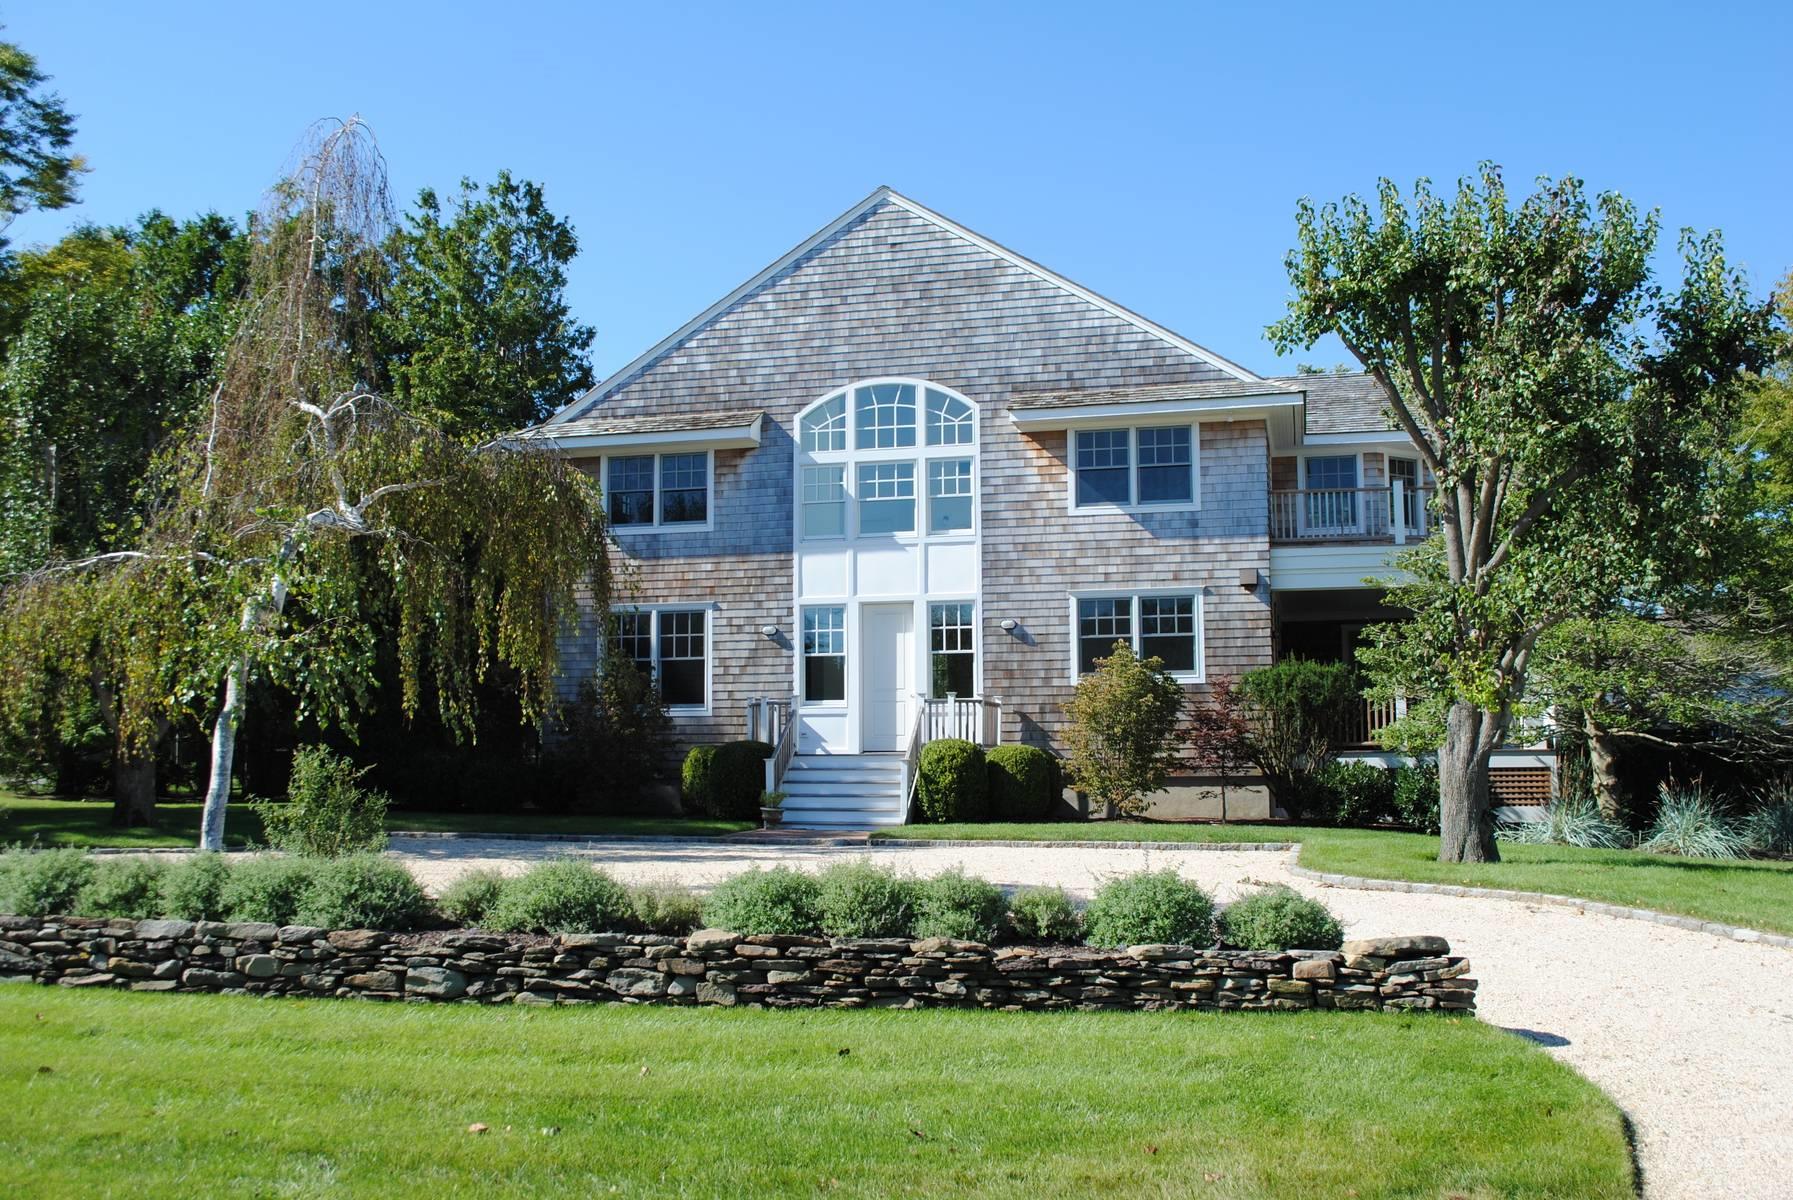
173	1095
1754	893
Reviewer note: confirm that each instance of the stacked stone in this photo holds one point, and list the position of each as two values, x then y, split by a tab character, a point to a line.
714	967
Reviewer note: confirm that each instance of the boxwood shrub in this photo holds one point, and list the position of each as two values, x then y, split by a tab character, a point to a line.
1360	794
1416	796
1022	782
193	889
1044	914
1280	918
362	891
760	901
1149	908
860	900
955	905
561	896
737	777
694	780
951	783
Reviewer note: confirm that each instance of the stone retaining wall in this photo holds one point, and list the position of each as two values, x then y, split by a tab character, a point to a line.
715	967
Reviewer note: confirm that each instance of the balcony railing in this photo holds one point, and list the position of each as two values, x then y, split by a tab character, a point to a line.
1394	514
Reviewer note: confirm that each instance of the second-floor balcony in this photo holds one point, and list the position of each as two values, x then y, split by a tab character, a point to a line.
1392	514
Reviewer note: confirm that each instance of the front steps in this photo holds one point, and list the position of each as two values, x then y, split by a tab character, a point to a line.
844	791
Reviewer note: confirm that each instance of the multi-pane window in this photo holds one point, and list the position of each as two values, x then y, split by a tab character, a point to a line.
886	497
1167	630
1166	465
1155	626
949	495
1331	481
668	489
684	488
1100	624
632	638
1405	471
1103	466
824	654
631	483
1127	467
952	650
667	645
681	647
825	428
950	420
824	501
884	416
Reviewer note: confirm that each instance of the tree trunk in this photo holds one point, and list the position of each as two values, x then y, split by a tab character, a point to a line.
224	750
133	787
1465	819
1603	767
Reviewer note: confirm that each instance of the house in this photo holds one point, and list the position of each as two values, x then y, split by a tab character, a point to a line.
905	483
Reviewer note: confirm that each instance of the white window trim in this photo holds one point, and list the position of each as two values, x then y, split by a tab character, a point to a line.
1133	597
709	611
1133	427
659	526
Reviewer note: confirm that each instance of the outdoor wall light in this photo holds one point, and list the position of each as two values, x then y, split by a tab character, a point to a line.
1008	624
770	631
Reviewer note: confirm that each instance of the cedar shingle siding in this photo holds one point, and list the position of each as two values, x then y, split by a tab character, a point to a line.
895	295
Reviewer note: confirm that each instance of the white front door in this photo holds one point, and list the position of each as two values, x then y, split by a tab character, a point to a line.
886	673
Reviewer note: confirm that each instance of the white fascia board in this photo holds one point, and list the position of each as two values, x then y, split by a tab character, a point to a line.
1391	437
732	437
1072	417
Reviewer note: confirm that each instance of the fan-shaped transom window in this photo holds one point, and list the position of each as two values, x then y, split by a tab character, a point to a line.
893	415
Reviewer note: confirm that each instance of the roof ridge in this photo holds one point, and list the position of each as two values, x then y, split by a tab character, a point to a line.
879	195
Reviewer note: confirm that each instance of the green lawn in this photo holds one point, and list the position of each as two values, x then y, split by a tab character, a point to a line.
54	822
1757	894
113	1094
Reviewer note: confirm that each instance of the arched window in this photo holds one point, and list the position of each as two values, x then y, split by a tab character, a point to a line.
950	420
825	428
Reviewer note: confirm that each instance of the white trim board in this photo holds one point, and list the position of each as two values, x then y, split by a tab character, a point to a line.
828	231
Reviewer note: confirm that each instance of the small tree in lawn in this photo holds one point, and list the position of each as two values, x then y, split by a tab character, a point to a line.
1576	415
1123	735
1219	735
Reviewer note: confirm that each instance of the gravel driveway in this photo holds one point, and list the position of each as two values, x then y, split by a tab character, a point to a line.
1690	1033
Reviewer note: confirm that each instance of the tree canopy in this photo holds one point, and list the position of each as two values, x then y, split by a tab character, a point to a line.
1573	411
474	325
36	131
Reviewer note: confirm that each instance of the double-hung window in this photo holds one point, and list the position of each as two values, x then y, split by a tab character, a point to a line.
952	650
649	490
825	654
886	497
1164	625
1143	467
824	501
1331	483
670	646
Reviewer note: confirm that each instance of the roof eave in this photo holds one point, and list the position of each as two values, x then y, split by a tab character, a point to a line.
1072	416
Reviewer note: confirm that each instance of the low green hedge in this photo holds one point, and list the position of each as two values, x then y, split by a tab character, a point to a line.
1280	918
1150	908
725	781
860	900
764	902
951	783
561	896
955	905
1023	782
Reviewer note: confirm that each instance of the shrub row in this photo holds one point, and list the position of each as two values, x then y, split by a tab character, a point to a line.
959	781
355	892
850	900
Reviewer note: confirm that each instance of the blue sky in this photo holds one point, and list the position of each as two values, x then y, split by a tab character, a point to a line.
1152	153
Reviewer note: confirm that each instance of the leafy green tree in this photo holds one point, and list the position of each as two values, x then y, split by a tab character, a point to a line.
474	322
1574	412
36	170
1629	679
295	485
1122	741
1291	716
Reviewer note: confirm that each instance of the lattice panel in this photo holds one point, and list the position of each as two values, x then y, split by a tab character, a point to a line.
1520	785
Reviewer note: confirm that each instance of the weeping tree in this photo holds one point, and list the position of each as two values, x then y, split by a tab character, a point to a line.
1574	412
302	518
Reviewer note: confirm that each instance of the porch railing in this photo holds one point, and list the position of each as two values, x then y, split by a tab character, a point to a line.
1393	513
969	718
769	720
1370	718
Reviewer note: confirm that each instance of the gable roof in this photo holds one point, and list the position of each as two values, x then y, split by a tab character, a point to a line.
1206	389
882	196
1342	403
